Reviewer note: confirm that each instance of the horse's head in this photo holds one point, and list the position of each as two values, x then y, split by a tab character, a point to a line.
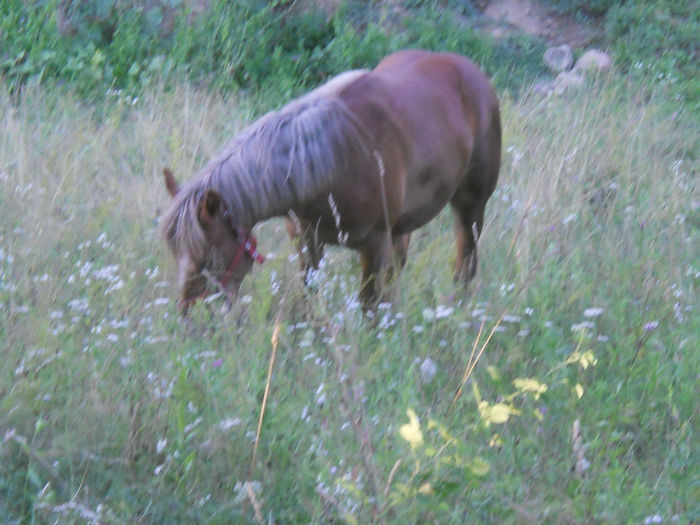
212	255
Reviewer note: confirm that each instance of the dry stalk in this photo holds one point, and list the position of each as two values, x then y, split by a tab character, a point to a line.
521	226
582	464
473	360
275	340
254	501
391	477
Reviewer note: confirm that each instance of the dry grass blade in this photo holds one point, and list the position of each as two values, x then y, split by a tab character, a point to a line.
274	340
254	501
473	360
391	477
521	226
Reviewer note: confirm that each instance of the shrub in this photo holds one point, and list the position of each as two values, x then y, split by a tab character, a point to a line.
249	44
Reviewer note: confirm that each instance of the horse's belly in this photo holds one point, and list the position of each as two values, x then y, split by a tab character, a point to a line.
427	193
418	212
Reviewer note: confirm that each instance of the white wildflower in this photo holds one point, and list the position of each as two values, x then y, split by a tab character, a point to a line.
189	428
568	219
228	423
443	311
582	326
428	369
80	305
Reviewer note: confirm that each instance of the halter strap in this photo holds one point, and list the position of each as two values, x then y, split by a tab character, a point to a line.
247	245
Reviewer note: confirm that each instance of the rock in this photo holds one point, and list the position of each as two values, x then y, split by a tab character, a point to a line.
595	61
567	80
559	58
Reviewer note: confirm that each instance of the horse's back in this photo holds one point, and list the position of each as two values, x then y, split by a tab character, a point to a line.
432	114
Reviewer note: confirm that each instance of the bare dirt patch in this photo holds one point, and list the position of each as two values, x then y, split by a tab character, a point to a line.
531	17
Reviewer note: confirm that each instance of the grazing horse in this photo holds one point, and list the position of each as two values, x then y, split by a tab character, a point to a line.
361	161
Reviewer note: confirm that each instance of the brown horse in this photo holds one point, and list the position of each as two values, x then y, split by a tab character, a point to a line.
361	161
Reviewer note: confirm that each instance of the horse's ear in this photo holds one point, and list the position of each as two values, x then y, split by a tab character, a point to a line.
209	207
170	182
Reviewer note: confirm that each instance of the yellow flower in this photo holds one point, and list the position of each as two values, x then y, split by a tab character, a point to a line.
530	385
411	431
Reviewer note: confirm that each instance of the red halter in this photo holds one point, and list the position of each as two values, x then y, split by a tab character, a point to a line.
247	244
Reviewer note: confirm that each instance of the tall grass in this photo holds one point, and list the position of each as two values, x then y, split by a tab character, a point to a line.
582	325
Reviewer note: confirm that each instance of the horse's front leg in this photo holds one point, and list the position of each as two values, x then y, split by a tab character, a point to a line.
309	248
376	256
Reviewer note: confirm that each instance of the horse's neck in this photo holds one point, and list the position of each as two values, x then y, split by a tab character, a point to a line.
272	207
290	157
273	194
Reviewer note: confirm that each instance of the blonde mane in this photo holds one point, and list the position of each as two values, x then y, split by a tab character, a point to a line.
286	158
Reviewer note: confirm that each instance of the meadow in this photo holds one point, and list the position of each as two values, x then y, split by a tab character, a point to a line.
560	388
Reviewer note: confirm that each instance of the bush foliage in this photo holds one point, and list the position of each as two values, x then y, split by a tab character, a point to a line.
251	44
247	44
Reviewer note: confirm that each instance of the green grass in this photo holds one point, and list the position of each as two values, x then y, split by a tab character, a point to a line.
113	409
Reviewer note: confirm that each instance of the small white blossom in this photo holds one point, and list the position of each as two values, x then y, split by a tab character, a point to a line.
443	311
568	219
593	312
189	428
229	423
428	369
582	326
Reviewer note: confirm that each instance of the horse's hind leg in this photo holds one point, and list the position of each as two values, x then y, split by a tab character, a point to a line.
401	249
399	255
469	220
376	268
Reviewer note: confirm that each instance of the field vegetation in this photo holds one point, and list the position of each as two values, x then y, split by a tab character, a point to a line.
561	388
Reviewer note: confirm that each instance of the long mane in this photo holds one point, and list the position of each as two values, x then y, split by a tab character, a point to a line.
284	159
